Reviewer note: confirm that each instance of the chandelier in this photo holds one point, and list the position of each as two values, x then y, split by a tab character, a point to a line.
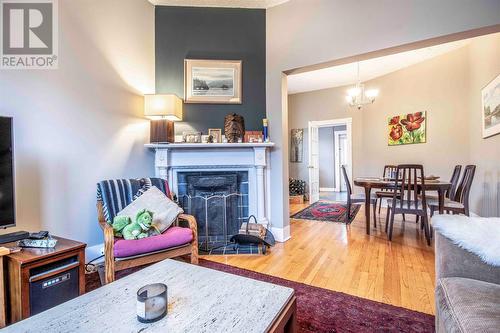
358	96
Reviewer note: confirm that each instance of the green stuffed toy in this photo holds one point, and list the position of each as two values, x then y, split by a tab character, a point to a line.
119	222
123	226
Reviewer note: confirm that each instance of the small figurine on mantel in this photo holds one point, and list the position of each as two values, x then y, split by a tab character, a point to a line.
234	128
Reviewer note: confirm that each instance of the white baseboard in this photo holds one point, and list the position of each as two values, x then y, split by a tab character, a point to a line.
327	189
281	234
93	252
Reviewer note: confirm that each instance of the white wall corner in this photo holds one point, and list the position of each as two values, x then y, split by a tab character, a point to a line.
281	234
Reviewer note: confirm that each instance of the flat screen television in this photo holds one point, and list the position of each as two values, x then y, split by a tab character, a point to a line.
7	202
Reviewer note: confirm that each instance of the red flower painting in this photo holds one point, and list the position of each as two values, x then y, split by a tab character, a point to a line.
396	132
394	120
413	121
407	128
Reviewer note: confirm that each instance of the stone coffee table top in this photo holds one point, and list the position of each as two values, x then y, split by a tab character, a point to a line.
199	300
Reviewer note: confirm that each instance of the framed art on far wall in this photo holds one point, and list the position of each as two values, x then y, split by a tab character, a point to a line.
490	108
297	145
407	129
212	81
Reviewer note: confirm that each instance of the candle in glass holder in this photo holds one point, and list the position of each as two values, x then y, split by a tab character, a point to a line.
151	302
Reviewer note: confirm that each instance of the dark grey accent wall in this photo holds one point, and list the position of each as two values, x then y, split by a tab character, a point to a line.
212	33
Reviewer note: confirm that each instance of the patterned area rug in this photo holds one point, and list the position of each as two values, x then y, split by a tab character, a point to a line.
326	211
322	310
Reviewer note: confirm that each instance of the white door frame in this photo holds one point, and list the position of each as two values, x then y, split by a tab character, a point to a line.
313	163
338	180
331	123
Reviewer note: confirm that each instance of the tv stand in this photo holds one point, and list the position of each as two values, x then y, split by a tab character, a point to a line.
14	236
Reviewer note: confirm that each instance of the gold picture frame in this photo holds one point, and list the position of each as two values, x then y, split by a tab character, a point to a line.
216	134
212	81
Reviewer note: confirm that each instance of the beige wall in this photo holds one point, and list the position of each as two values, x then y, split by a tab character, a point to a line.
485	153
323	104
448	88
307	32
438	86
82	122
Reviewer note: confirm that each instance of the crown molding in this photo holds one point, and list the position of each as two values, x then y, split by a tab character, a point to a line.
256	4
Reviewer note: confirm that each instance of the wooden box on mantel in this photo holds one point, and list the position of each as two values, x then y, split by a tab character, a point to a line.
296	199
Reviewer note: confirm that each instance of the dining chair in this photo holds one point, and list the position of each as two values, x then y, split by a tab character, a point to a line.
454	182
410	177
356	198
450	193
389	173
460	202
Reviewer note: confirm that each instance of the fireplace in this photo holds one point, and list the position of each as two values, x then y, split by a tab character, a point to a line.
218	200
250	158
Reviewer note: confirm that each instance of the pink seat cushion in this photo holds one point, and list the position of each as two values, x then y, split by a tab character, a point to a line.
172	237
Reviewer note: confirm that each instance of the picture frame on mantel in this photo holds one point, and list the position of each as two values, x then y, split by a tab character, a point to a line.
490	108
212	81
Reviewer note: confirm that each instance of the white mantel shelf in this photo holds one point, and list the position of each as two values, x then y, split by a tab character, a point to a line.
207	145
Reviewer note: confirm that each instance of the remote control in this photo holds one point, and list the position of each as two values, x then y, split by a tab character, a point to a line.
39	235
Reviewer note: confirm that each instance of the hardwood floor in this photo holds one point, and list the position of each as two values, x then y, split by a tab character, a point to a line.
331	256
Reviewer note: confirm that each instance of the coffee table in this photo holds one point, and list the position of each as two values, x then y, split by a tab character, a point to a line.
200	300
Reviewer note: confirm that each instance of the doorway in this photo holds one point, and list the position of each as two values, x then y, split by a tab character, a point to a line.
325	178
340	146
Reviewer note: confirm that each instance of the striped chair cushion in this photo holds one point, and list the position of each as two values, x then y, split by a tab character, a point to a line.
116	194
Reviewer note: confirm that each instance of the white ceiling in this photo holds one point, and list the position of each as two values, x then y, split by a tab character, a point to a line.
219	3
369	69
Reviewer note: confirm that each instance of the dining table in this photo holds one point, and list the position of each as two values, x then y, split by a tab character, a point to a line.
369	183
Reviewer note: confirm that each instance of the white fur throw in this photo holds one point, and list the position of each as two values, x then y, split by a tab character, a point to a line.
479	235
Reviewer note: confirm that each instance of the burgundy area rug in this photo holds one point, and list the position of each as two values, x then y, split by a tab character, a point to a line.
322	310
326	211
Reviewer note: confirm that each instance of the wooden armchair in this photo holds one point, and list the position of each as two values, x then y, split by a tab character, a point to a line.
113	264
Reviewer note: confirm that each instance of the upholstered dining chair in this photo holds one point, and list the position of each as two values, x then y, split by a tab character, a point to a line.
408	181
355	199
178	240
460	202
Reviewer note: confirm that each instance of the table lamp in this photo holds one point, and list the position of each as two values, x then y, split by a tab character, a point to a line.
163	110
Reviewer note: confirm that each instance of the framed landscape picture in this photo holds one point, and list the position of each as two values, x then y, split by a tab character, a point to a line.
491	107
407	129
212	81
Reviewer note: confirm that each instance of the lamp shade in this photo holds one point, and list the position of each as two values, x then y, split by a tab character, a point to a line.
163	106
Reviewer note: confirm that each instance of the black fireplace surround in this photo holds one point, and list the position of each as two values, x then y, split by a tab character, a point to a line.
218	200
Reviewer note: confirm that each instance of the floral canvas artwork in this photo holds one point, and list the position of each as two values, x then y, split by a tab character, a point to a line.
407	129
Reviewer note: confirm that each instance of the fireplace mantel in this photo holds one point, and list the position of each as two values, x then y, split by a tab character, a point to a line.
253	157
208	145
